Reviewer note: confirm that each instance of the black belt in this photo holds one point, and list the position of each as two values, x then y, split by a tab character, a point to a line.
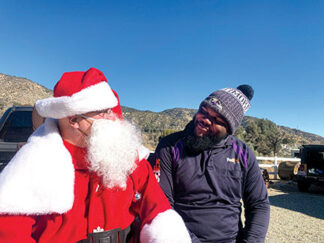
111	236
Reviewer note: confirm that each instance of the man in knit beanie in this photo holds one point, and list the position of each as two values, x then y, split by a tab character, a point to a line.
205	172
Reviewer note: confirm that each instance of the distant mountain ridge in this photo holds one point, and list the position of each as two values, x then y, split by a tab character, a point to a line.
153	124
22	91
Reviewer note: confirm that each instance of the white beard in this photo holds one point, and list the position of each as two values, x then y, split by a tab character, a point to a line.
113	151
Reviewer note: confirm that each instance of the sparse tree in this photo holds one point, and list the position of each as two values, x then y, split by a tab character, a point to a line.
240	133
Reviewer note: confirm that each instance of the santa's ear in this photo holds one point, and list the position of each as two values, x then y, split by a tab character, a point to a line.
73	121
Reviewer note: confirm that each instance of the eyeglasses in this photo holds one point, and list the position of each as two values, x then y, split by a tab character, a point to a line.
87	117
104	114
212	119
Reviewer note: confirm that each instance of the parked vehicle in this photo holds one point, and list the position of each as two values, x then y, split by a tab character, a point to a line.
15	128
311	169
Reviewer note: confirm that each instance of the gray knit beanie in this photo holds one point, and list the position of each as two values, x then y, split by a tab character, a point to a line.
231	104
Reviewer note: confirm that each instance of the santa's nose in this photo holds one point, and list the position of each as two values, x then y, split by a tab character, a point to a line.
109	116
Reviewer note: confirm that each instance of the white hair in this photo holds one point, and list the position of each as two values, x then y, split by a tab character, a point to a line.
113	151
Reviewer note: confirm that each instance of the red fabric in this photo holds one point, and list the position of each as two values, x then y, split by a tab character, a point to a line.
73	82
94	206
117	108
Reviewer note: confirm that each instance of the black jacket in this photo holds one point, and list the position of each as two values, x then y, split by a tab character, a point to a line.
206	189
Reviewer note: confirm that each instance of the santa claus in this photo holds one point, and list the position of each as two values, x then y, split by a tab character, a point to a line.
83	176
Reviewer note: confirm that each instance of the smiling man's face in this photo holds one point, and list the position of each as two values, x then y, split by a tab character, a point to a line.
209	123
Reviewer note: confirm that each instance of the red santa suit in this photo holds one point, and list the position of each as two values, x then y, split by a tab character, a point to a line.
47	195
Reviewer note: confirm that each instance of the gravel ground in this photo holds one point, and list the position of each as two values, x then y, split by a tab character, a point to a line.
295	217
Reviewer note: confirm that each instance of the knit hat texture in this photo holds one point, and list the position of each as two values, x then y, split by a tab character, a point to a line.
231	104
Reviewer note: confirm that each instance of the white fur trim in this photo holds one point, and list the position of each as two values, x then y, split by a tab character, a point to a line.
40	177
94	98
168	227
143	152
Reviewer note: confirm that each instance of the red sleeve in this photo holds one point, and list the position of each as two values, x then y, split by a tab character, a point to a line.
15	229
149	198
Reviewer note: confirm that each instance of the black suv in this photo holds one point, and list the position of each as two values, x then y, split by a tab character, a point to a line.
15	128
311	169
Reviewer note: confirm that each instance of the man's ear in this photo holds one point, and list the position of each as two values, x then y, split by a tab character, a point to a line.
73	121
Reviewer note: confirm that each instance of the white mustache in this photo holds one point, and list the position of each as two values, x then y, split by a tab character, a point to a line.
112	151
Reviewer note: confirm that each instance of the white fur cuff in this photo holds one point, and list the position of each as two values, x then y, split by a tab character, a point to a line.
168	227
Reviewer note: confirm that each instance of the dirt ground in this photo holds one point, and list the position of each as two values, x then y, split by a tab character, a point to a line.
295	217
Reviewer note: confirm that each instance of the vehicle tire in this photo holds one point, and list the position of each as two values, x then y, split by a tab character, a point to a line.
303	186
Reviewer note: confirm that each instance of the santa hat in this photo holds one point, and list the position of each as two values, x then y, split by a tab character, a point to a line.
78	93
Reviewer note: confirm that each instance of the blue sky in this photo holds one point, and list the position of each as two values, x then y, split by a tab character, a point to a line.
164	54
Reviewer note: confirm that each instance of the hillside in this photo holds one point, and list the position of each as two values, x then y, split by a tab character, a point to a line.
155	124
21	91
298	136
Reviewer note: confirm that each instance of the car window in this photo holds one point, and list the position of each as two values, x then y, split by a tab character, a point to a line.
18	127
3	117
